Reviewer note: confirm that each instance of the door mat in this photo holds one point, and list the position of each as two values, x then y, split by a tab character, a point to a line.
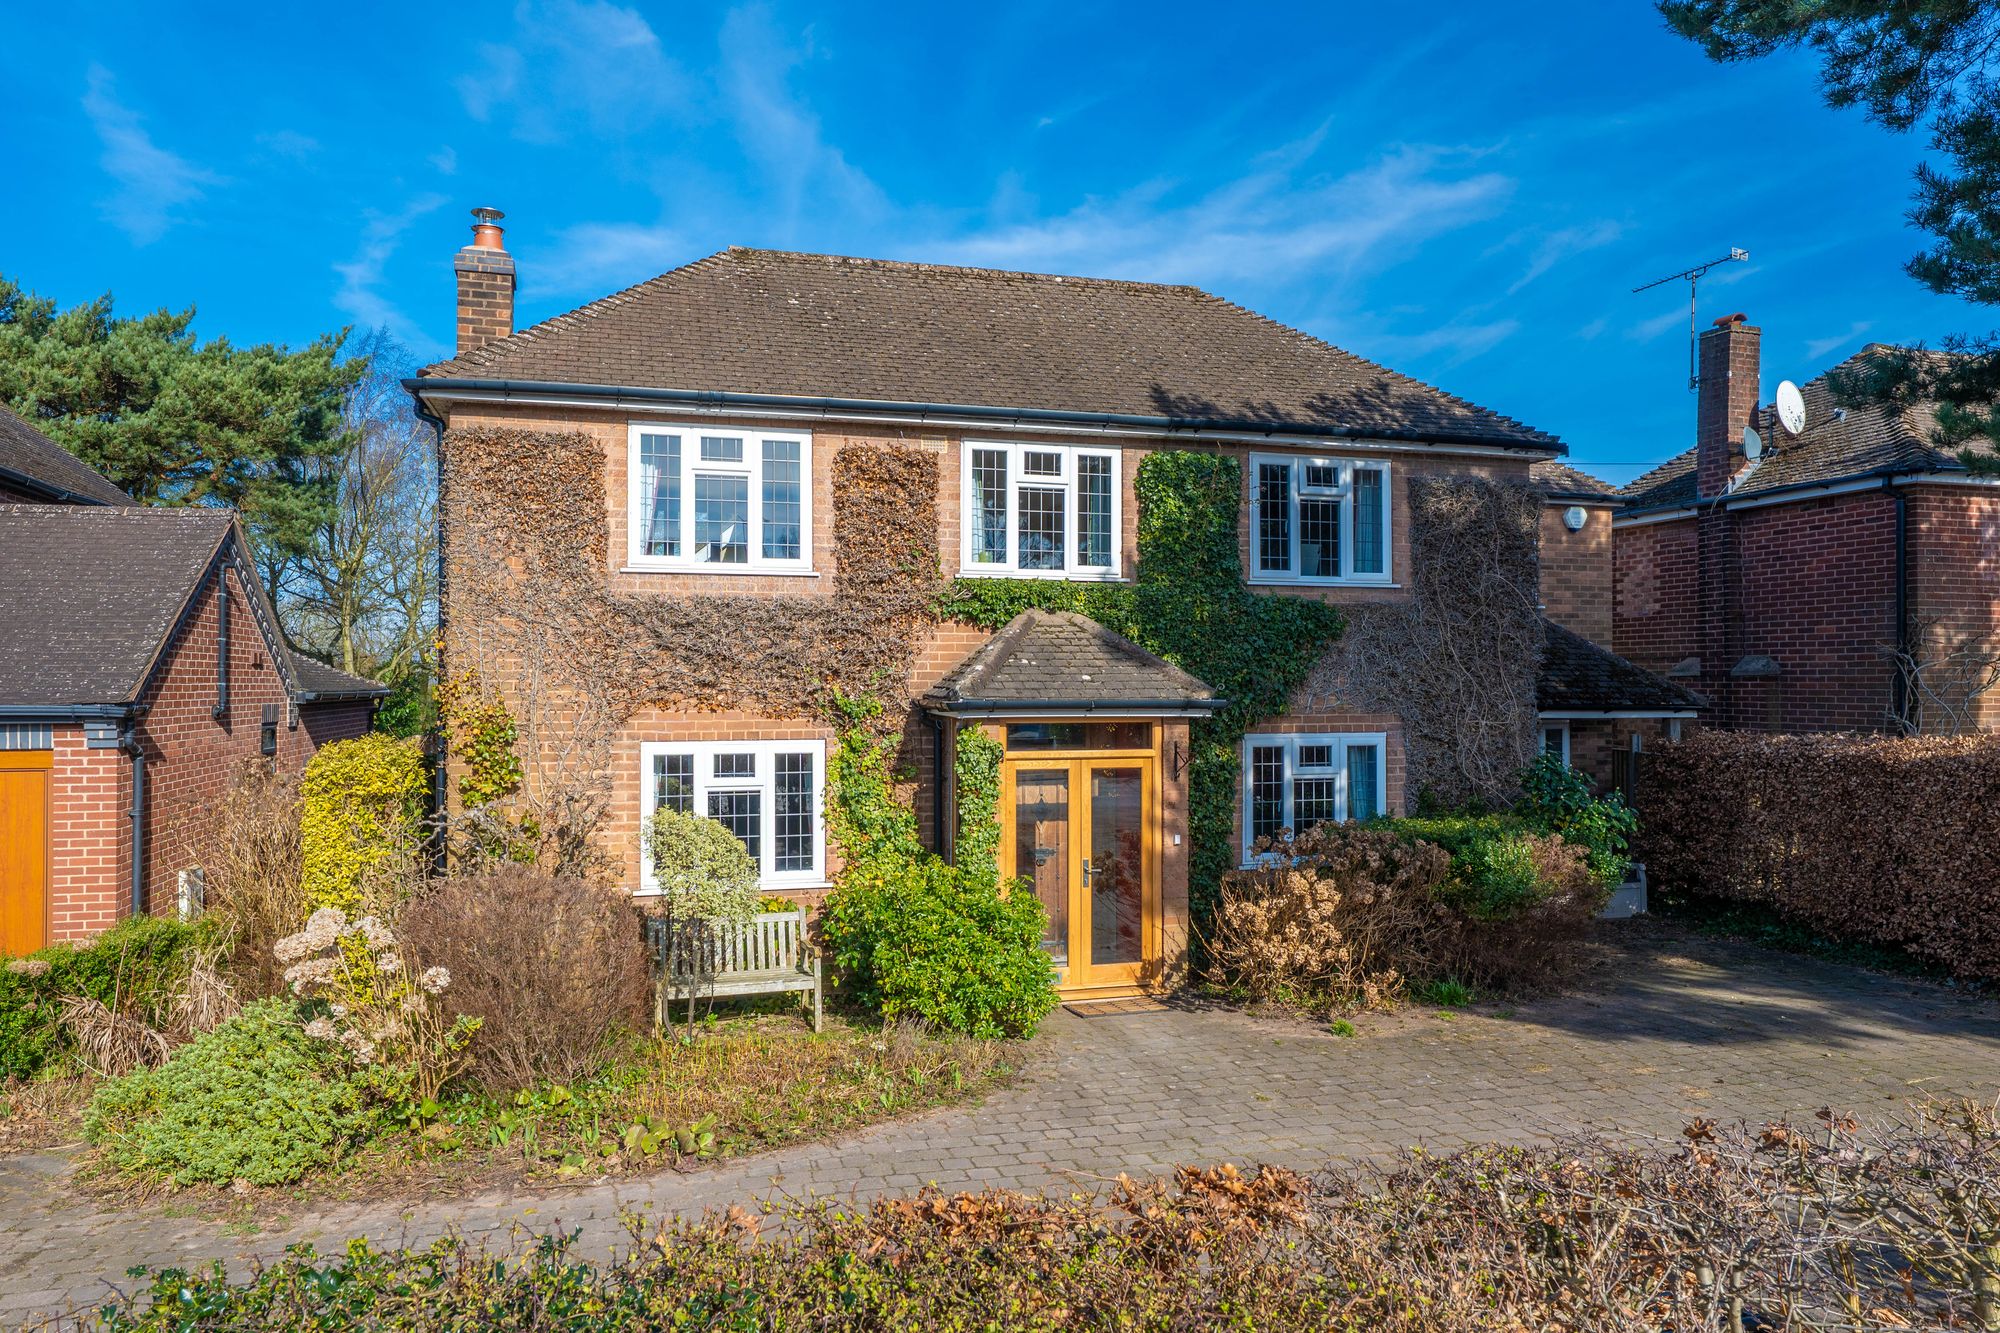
1122	1005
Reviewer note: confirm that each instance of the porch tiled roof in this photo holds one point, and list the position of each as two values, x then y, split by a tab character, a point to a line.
1578	676
1044	658
829	326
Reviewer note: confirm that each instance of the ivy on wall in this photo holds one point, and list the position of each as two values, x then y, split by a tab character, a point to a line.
1190	605
976	787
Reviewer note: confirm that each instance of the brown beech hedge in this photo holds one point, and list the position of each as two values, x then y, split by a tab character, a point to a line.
1891	841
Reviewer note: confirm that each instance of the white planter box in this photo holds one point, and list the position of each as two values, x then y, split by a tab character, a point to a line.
1629	898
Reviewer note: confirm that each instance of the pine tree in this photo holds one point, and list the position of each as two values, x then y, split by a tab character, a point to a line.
178	422
1907	63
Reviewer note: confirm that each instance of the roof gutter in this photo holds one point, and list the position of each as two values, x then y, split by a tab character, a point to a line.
637	395
66	712
21	481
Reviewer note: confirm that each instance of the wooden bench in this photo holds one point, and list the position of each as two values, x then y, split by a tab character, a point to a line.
769	954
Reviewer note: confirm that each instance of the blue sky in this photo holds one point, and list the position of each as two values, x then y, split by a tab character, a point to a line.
1467	192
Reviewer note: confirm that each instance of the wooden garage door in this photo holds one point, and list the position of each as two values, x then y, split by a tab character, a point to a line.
24	850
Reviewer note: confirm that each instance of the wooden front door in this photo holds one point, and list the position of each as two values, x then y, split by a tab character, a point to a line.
24	851
1082	831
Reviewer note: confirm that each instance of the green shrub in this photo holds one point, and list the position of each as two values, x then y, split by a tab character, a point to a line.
133	968
702	869
909	934
362	810
1555	798
256	1099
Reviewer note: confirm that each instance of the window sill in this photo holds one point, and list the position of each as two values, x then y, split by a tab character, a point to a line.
1054	575
729	571
1273	581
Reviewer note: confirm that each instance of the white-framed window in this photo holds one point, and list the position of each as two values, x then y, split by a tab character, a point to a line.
719	498
1040	511
770	794
1296	780
1555	740
1318	520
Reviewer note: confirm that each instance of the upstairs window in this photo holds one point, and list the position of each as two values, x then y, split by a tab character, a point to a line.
768	793
1040	511
1297	781
720	498
1318	520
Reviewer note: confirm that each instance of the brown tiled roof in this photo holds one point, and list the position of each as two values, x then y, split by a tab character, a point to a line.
1060	657
48	469
827	326
1579	676
1837	444
317	680
90	594
1563	482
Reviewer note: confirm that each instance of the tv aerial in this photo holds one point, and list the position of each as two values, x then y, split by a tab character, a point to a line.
1693	277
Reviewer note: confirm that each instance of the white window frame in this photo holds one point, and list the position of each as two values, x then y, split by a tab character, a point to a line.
1291	741
638	519
765	782
1072	511
1346	466
1553	724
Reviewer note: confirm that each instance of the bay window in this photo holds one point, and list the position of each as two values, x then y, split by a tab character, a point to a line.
768	793
719	498
1040	511
1294	781
1318	520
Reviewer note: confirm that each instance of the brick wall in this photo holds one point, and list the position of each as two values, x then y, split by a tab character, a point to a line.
1577	570
1954	545
192	758
485	296
1656	619
89	840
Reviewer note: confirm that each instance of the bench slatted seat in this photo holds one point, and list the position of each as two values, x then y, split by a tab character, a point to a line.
770	954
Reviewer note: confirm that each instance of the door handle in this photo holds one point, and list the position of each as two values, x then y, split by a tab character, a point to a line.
1088	868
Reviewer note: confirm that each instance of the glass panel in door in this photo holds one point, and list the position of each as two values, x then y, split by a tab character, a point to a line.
1116	869
1042	847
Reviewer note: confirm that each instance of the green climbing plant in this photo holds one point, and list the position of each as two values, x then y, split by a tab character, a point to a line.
976	781
1190	605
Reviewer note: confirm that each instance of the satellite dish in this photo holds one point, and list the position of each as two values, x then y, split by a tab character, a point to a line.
1791	407
1753	444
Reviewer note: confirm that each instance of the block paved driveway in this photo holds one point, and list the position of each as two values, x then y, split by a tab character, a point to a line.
1671	1027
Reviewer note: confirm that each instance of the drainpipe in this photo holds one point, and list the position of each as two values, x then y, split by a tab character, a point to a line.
128	741
1899	699
222	641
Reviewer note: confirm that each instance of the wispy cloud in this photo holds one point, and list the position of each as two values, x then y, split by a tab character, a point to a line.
1648	329
567	58
1447	344
1819	347
1280	219
780	132
1560	245
593	258
360	293
445	160
153	183
290	144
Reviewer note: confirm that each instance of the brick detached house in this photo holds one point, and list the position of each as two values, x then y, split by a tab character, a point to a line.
142	667
665	513
1592	701
1848	578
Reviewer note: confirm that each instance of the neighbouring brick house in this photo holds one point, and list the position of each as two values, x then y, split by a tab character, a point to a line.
667	512
1847	579
1592	701
141	669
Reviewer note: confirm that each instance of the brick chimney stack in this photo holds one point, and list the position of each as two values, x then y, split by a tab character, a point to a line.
1726	401
485	284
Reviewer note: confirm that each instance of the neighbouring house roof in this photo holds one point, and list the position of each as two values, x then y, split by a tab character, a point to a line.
771	322
32	462
1578	676
1838	444
1065	661
1562	482
91	594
